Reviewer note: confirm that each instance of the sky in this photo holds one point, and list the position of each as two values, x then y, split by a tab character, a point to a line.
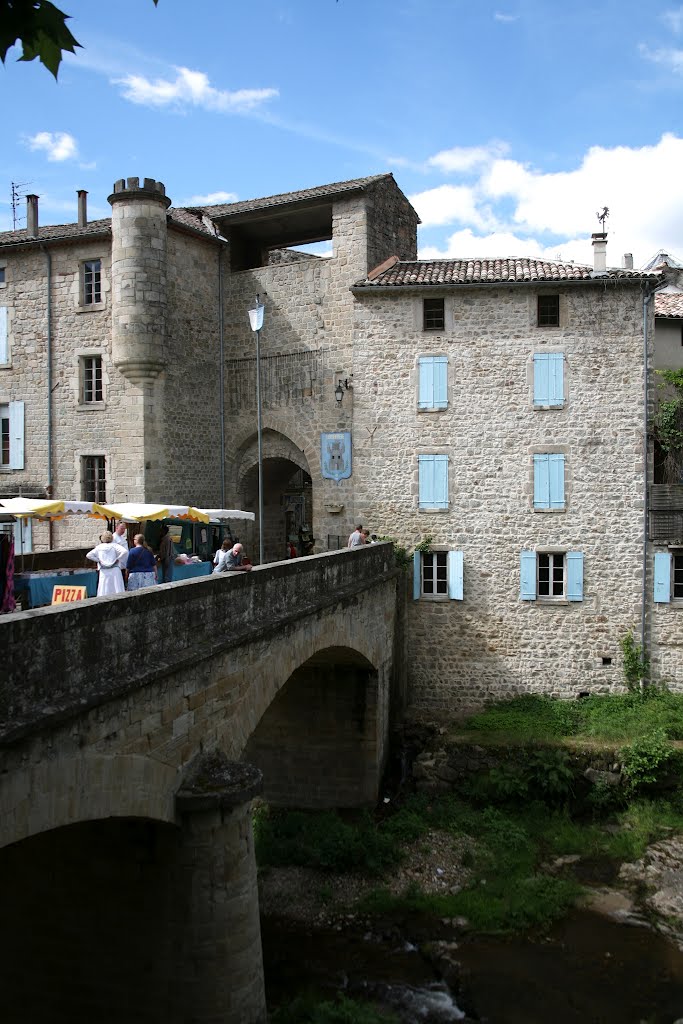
508	124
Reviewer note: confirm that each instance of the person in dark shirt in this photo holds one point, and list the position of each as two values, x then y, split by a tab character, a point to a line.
141	565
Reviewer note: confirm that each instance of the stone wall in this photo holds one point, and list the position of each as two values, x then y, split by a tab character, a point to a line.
492	644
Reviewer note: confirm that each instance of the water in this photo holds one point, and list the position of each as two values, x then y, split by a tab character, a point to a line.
587	970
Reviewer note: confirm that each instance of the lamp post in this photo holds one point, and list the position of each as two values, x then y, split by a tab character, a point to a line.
256	323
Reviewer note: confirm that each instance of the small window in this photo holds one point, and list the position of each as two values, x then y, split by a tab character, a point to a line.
438	574
433	317
4	336
432	382
548	310
94	478
549	482
12	435
551	575
678	574
548	379
92	282
91	377
4	436
3	276
432	481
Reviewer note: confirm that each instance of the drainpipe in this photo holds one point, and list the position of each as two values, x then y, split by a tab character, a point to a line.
49	488
646	491
221	374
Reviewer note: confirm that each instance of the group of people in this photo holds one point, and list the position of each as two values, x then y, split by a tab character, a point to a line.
112	556
231	558
360	536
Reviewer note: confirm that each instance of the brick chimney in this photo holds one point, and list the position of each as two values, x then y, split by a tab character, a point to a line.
82	208
32	216
600	252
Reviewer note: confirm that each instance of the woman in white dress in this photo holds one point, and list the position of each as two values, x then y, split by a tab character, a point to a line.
111	559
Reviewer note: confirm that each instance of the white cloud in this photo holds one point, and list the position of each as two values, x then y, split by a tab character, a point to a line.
670	58
211	199
514	209
57	145
499	16
674	20
467	158
191	89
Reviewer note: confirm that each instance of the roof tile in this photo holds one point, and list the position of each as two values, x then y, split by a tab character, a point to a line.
488	271
669	304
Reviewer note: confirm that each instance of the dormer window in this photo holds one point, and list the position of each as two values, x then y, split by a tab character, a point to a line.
548	311
433	317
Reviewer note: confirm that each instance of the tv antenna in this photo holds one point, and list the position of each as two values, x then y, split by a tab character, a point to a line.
602	217
17	196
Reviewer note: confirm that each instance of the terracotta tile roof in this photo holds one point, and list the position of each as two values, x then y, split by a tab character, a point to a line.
669	304
54	232
319	192
487	271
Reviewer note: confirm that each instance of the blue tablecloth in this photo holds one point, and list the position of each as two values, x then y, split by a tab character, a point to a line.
191	571
38	586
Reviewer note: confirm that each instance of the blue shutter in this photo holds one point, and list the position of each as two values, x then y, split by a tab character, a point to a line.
417	575
574	575
662	577
432	481
433	375
426	387
541	482
4	346
555	378
16	435
455	575
556	478
548	378
527	576
541	382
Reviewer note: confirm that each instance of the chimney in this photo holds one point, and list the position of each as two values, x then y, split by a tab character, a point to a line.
600	252
628	261
82	208
32	216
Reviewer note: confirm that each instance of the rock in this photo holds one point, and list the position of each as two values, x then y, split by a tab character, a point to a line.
596	776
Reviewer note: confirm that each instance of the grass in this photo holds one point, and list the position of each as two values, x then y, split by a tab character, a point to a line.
621	718
310	1009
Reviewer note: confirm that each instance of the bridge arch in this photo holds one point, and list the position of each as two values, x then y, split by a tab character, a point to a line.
320	742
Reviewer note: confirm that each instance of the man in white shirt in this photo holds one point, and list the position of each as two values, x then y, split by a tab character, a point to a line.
120	536
356	538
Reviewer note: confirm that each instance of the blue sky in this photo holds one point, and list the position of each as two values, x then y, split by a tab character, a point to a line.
508	124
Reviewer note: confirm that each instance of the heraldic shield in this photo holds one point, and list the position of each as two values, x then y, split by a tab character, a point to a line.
335	455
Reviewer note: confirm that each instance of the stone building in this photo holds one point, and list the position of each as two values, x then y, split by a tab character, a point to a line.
490	413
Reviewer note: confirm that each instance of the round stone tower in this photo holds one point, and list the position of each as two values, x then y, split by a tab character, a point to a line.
138	274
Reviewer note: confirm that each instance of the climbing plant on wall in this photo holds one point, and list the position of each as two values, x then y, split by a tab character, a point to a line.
668	426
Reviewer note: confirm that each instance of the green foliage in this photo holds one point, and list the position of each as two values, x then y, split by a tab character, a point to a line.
529	717
550	775
636	665
425	545
308	1009
645	759
668	420
41	29
323	841
404	559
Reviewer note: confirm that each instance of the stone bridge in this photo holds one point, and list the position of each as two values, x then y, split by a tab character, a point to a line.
136	731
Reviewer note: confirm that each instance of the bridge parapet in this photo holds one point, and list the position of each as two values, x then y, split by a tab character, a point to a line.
62	661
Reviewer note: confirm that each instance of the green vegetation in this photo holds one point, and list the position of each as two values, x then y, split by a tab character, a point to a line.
621	718
307	1009
635	663
643	761
404	558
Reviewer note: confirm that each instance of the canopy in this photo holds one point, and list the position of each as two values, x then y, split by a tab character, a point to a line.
226	513
27	508
137	512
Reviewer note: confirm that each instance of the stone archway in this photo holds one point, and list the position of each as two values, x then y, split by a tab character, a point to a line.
287	493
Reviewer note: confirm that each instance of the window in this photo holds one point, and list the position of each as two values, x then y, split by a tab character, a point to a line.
438	574
549	482
3	276
433	317
92	282
12	435
668	576
91	378
4	337
432	481
548	379
551	575
548	311
432	391
94	479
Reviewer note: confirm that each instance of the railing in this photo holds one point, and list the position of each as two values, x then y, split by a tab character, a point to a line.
666	513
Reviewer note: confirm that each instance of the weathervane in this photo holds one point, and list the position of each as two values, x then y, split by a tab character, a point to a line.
602	217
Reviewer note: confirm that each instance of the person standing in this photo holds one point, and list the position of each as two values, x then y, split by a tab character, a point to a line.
111	559
120	536
141	565
356	538
221	556
166	554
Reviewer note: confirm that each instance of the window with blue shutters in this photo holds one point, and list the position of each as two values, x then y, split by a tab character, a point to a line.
549	482
663	561
438	574
432	382
432	481
551	576
548	379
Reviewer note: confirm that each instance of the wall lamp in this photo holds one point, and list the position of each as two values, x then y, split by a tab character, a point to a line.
342	386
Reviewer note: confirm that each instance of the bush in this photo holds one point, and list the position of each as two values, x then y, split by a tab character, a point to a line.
645	760
307	1009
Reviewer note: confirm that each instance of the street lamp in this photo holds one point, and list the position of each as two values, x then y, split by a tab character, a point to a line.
256	323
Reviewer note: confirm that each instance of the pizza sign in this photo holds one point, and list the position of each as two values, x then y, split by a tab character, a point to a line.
64	595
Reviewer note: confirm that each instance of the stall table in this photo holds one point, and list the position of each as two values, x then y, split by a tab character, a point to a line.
35	588
190	571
